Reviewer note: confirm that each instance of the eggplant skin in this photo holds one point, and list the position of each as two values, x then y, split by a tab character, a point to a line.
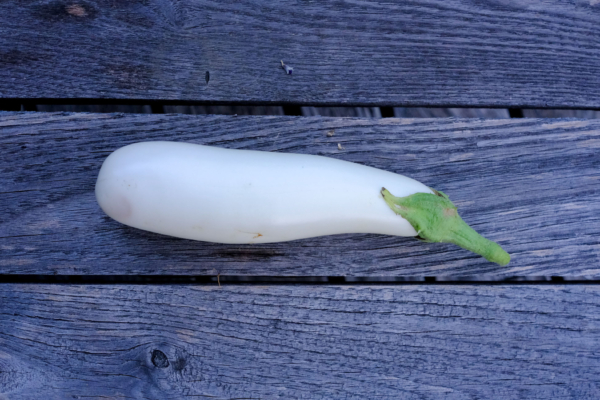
221	195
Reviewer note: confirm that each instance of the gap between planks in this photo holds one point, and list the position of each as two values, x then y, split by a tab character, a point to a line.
282	280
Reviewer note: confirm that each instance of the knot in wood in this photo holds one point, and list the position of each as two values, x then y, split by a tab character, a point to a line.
159	359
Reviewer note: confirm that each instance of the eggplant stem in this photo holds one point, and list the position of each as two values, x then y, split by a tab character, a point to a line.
436	219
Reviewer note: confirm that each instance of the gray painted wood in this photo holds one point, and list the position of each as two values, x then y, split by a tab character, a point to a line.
411	342
540	53
531	185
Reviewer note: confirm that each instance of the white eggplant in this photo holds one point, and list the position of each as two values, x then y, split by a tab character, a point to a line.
243	196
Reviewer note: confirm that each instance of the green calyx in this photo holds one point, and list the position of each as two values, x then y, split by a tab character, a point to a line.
435	218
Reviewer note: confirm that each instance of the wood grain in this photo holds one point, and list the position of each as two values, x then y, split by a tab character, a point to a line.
531	185
539	53
411	342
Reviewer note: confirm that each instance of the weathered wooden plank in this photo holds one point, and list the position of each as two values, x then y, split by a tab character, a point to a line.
437	52
157	342
531	185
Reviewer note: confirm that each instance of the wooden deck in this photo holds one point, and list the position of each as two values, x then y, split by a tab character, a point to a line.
90	308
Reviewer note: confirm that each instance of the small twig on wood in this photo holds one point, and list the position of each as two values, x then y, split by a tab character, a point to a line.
287	68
